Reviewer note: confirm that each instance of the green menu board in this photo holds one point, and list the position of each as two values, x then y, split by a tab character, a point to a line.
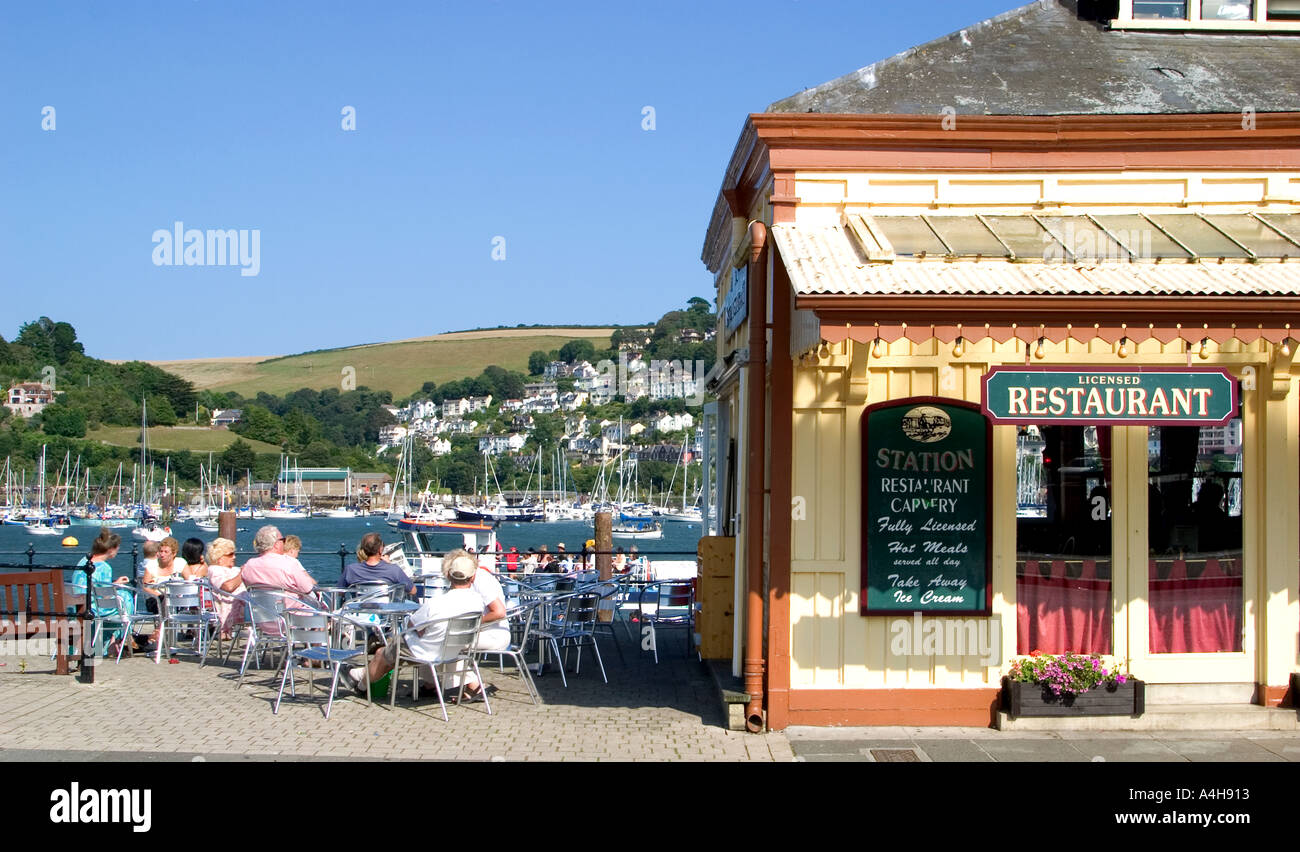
925	524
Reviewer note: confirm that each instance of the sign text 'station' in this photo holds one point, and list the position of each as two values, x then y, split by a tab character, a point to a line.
925	528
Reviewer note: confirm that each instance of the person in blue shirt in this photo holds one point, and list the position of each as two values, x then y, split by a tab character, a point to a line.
102	549
371	567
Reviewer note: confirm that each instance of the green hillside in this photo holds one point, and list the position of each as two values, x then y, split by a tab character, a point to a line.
400	367
164	438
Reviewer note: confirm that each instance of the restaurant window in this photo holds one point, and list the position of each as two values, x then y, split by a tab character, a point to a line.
1153	9
1209	14
1063	539
1227	10
1194	537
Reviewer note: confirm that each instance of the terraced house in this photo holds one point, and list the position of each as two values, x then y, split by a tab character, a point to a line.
1006	337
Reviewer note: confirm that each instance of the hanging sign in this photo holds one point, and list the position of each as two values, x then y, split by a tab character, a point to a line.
736	307
1137	396
925	525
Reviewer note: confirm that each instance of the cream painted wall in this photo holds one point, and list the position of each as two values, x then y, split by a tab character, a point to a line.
833	646
824	196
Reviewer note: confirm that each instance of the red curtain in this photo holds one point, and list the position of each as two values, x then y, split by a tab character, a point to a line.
1199	614
1057	613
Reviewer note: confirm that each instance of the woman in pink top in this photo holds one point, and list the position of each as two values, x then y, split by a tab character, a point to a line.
225	577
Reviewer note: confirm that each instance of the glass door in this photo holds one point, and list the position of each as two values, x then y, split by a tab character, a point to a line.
1131	543
1187	619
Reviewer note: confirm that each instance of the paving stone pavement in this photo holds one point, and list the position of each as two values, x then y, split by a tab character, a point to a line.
984	745
139	710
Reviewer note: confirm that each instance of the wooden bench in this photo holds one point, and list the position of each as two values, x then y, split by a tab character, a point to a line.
30	592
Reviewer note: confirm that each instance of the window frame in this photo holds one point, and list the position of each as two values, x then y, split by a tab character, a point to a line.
1194	21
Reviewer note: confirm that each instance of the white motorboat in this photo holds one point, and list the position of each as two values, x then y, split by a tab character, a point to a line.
648	530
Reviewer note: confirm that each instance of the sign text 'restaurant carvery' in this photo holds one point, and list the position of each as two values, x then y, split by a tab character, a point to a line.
925	502
1135	396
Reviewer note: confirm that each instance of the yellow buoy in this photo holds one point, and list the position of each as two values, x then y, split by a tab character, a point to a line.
69	541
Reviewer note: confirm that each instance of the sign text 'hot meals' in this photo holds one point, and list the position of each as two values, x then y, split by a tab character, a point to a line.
1134	396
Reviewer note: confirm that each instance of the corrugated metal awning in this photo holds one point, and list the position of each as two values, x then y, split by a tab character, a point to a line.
852	270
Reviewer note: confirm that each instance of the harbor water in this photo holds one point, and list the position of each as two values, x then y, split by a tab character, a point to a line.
322	537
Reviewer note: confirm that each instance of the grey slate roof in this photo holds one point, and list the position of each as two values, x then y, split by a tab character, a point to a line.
1041	59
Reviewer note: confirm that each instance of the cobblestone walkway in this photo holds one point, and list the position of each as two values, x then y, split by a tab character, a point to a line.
137	709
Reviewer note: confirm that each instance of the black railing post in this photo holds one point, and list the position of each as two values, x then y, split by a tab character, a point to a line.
343	557
31	554
86	671
135	562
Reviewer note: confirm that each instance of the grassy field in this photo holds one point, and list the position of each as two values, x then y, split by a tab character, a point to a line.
168	438
401	367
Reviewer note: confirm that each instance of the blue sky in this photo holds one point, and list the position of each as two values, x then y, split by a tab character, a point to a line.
472	121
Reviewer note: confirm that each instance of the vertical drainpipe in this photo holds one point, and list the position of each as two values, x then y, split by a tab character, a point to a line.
756	397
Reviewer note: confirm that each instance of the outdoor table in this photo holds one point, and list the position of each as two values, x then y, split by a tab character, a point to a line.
332	596
163	587
393	611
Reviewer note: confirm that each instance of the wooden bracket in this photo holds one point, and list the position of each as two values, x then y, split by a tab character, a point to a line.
1280	371
858	380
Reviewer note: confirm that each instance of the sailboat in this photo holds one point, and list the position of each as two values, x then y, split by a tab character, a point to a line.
149	529
688	514
40	522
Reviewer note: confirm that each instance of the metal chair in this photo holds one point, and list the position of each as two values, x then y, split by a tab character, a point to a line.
458	634
572	624
183	610
521	623
139	614
240	627
611	594
674	608
312	630
268	630
106	609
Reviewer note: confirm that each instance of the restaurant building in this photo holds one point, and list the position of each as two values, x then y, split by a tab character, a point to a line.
1006	331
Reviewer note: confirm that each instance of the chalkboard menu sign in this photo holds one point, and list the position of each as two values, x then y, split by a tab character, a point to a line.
925	503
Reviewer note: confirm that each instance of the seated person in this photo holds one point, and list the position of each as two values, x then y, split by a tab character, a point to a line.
495	632
225	576
272	568
192	555
371	567
102	549
429	628
149	550
168	568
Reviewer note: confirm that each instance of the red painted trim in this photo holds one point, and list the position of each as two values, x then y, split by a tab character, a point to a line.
1162	136
780	473
927	707
1274	696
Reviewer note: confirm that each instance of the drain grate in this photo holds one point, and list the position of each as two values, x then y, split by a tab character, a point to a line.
894	755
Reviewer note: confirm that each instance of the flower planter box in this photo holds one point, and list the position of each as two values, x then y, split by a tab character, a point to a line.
1032	699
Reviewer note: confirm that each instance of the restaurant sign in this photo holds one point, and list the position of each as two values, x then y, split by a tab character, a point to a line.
736	307
1137	396
925	524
